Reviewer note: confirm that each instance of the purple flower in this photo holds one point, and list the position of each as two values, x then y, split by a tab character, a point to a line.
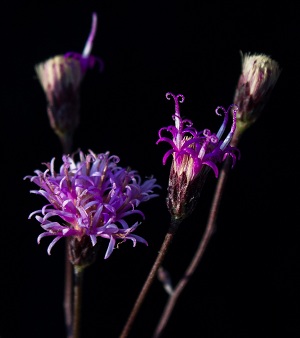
91	198
194	154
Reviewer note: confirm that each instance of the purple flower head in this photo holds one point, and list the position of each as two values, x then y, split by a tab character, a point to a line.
88	199
194	154
60	77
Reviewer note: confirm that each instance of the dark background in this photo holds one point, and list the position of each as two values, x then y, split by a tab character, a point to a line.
248	281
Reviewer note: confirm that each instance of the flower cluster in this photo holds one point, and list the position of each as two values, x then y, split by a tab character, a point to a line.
91	198
194	154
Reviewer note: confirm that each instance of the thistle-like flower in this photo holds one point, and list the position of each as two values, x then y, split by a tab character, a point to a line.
60	78
88	199
194	154
256	82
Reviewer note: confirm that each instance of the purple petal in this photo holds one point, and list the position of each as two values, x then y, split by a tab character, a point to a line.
52	244
110	247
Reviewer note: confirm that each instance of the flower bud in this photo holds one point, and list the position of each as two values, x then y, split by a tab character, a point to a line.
60	78
257	80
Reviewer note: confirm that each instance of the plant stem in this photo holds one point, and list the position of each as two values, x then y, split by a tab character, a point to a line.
210	226
68	291
152	275
66	143
78	281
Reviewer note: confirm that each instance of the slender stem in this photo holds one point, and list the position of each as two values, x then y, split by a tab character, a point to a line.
78	281
66	143
152	275
68	291
210	226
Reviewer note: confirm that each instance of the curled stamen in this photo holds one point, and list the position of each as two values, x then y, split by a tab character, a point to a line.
230	134
177	99
178	121
217	110
223	126
209	138
89	43
206	132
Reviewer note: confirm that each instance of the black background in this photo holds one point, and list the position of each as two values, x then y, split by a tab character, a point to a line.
248	281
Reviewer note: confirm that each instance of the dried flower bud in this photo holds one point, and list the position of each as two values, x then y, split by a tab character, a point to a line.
257	80
60	78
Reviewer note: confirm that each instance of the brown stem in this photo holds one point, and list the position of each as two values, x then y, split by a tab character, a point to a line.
68	291
66	143
78	280
199	252
152	275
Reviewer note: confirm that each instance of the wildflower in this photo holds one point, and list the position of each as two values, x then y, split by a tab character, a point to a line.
60	78
88	199
194	154
256	82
